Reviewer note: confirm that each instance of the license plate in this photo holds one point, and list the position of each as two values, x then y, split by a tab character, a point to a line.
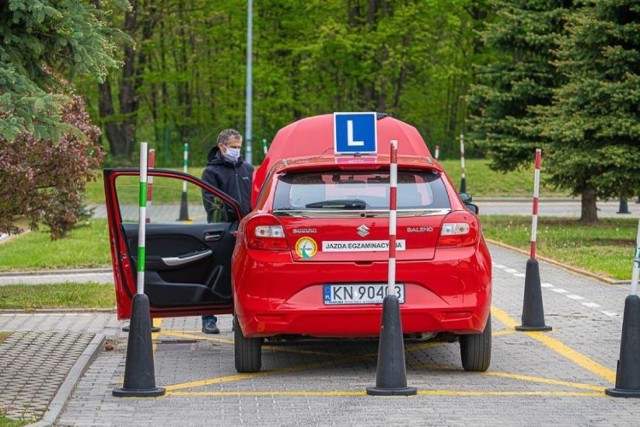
362	293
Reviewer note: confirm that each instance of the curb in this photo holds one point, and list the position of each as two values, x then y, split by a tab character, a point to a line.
54	272
77	371
573	269
56	310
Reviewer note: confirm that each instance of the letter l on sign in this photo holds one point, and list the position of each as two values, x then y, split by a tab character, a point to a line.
350	141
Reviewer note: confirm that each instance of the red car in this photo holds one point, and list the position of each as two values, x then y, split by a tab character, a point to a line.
311	259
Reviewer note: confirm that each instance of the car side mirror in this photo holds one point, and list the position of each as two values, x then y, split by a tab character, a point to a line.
466	199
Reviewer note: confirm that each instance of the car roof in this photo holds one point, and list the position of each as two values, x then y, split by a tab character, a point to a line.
314	136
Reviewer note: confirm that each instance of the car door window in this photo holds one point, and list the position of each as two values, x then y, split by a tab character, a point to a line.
190	235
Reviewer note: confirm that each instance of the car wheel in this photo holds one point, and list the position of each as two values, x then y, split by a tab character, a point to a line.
247	351
475	350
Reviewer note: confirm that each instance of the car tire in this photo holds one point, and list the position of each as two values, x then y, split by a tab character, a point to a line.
475	350
247	351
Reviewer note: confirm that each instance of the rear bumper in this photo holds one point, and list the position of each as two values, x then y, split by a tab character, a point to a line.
274	296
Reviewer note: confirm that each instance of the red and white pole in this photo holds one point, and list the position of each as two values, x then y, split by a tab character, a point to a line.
463	175
151	162
437	152
393	203
536	194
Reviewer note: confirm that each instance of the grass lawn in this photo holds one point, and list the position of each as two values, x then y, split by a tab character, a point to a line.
7	422
64	295
87	246
606	249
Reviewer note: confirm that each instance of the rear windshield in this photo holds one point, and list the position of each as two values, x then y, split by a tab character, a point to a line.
359	190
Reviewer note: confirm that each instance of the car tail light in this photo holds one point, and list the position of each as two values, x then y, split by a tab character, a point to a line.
265	232
459	229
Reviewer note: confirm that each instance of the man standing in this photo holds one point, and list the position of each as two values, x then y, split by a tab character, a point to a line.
228	172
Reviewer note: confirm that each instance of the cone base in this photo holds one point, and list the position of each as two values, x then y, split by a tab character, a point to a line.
152	392
524	328
127	328
616	392
403	391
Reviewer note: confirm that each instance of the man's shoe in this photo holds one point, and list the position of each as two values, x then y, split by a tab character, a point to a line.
210	327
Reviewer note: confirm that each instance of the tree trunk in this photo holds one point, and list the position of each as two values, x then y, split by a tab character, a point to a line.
112	129
122	134
589	213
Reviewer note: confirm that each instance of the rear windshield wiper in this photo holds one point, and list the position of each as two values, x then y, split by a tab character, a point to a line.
339	204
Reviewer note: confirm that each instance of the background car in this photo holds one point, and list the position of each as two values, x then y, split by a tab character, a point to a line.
311	259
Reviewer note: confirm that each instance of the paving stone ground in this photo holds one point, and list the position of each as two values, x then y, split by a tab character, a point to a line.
33	365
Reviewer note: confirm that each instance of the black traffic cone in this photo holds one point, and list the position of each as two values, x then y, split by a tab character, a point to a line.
139	371
184	208
391	376
154	329
628	370
532	308
623	208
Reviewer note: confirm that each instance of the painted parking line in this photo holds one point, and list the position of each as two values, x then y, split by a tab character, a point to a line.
364	393
560	348
583	389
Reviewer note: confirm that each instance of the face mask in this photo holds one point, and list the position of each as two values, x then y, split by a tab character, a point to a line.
232	154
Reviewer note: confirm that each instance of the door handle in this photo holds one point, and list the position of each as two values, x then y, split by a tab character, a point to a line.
186	259
213	236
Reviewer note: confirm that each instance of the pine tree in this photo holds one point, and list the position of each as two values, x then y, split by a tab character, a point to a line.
594	122
40	42
523	37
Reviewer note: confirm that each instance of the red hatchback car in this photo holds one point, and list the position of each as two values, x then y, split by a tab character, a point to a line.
311	259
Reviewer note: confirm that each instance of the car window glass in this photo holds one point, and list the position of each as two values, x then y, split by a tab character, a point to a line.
416	190
170	201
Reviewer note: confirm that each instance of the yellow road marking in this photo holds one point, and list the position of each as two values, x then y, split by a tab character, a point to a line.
238	377
500	315
541	380
560	348
154	335
363	393
197	337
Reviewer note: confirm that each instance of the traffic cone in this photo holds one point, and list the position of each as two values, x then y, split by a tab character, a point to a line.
184	209
391	376
154	329
139	371
628	370
623	207
532	309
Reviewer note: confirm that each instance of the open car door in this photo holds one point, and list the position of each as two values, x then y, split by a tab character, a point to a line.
190	236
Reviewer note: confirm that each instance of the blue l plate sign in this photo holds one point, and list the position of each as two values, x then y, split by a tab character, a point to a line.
355	133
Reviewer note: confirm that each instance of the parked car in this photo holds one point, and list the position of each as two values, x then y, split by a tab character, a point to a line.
311	259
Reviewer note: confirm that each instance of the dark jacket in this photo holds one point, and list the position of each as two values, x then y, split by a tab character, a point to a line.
233	179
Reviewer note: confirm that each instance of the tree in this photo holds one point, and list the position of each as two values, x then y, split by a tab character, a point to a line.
40	41
411	59
46	140
594	121
521	76
44	181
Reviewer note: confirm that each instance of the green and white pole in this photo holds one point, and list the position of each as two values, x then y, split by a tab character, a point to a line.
635	273
139	370
184	209
142	202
